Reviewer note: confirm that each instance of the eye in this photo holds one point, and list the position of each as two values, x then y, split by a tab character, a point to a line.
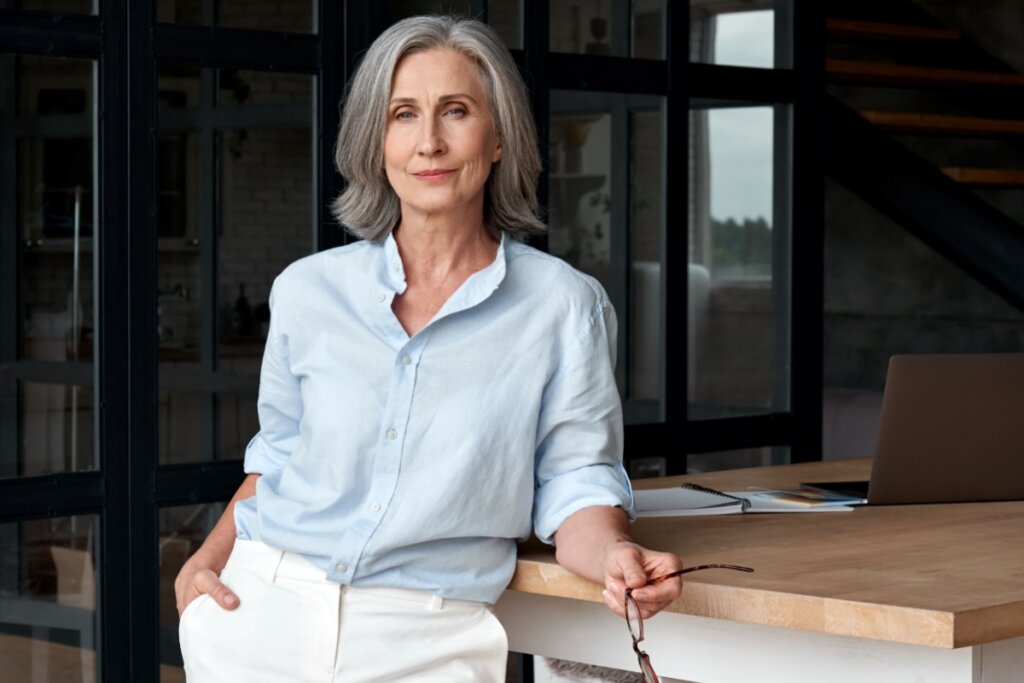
403	115
455	110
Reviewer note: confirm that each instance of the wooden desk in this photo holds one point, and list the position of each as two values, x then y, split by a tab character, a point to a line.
923	593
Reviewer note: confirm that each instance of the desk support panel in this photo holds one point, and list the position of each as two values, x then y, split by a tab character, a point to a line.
717	651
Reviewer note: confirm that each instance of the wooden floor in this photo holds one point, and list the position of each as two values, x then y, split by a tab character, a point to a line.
26	660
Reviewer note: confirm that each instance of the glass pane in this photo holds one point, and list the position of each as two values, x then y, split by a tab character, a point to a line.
182	531
400	9
56	428
605	217
753	33
649	29
185	417
53	143
295	16
506	17
179	184
608	27
49	623
732	460
238	87
236	188
63	6
647	221
739	261
47	220
580	187
236	412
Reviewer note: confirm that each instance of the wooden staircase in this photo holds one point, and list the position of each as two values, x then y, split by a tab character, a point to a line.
941	124
986	177
964	74
876	73
853	29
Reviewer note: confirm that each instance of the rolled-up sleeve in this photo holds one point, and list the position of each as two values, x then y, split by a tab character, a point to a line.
579	451
279	404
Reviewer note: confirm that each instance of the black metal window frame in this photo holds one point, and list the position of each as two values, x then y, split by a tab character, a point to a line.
682	82
127	43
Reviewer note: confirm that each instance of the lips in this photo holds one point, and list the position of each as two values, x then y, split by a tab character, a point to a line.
434	172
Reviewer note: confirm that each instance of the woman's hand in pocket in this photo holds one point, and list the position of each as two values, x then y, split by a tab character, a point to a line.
197	578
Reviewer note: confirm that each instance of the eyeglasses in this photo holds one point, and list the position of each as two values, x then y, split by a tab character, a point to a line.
636	622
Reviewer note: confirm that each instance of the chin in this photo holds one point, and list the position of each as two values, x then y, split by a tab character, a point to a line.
438	207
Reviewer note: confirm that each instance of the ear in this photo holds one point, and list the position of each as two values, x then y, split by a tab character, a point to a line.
497	152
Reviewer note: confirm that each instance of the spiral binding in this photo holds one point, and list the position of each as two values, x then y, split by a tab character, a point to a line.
744	503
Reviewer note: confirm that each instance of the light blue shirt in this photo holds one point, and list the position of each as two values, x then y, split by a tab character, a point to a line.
417	462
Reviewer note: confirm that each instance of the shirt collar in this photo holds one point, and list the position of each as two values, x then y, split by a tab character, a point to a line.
394	271
474	290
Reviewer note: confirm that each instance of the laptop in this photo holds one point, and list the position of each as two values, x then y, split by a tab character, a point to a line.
952	430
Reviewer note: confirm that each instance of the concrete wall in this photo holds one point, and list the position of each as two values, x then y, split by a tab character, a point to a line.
886	292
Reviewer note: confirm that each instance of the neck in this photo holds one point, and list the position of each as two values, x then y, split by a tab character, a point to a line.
433	252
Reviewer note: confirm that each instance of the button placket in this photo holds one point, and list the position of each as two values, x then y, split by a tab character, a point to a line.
384	480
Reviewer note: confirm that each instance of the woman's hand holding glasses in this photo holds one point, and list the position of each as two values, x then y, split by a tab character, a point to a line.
628	566
634	611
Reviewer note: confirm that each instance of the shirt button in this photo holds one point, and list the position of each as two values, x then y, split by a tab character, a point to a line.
375	507
381	297
392	434
341	567
406	360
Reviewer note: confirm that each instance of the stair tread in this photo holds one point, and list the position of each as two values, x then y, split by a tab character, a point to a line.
942	124
877	30
1007	177
881	72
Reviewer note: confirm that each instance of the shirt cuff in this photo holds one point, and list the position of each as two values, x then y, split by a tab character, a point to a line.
262	458
568	493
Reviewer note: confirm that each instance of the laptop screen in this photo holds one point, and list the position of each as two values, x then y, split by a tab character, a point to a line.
952	430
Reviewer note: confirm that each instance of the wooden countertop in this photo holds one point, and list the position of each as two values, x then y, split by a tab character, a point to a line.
937	575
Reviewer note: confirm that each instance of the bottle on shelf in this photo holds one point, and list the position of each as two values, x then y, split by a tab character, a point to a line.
243	314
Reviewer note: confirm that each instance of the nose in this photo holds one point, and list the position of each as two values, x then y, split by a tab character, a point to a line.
431	141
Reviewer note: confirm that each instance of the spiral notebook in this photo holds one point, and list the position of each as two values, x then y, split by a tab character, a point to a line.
691	500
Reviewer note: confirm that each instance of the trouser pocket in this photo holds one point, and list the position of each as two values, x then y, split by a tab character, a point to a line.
281	631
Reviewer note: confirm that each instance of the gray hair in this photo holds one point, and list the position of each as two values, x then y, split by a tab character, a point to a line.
369	207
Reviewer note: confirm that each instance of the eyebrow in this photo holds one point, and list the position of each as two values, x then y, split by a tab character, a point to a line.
443	98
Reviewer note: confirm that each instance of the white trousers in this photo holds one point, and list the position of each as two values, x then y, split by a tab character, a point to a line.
294	626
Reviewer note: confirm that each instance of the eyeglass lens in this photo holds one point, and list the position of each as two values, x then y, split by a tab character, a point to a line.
646	670
636	623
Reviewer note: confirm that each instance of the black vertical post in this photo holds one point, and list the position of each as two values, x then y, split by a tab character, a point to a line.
113	331
209	253
139	461
331	79
808	230
10	240
345	34
536	45
535	31
675	239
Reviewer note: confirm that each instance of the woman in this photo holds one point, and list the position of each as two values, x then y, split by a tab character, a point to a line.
425	394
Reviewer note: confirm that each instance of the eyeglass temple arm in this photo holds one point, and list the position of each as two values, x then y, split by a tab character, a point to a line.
712	566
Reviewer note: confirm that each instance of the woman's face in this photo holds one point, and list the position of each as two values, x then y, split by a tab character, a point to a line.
440	140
